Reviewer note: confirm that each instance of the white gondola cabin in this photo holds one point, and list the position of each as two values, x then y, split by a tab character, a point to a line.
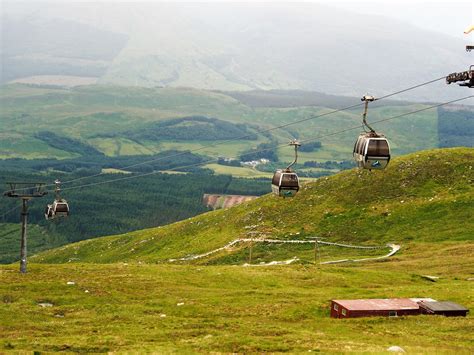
60	208
48	212
372	151
285	183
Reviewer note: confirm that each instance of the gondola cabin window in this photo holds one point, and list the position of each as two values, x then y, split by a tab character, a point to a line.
378	147
289	180
62	207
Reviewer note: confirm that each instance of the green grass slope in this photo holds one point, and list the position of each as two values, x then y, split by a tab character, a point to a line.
121	301
421	199
38	239
222	309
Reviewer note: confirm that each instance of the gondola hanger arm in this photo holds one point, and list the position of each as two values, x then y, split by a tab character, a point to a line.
367	99
296	144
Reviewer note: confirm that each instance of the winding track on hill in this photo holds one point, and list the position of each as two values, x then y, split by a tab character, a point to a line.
394	248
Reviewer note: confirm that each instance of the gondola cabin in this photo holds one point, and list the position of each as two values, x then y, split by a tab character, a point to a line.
285	183
372	151
60	208
48	212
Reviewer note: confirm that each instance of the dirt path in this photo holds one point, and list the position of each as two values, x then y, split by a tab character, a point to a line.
394	249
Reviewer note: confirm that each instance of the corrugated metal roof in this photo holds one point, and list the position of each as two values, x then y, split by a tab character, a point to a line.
378	304
443	306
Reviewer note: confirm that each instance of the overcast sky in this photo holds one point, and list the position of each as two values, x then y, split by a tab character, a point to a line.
449	17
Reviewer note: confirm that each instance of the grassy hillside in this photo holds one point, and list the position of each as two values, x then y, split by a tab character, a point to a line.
189	309
422	201
426	197
105	209
39	238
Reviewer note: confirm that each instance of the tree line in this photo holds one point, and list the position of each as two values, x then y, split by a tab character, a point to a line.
123	206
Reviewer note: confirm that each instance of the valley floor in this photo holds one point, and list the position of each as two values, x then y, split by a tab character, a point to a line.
194	308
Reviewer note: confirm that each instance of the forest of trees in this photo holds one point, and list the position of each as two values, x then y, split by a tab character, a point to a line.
310	146
123	206
67	144
93	164
192	128
455	128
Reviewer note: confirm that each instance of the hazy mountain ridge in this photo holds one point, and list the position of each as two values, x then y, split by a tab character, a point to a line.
37	46
242	47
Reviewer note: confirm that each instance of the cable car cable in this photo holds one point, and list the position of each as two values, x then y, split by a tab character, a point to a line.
258	132
410	88
9	211
267	149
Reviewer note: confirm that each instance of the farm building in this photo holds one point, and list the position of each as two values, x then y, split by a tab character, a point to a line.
446	308
374	307
394	307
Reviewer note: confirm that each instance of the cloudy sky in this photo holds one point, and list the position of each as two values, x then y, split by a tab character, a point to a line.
449	17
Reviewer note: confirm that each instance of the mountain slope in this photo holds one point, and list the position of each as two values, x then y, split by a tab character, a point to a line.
243	46
425	197
34	46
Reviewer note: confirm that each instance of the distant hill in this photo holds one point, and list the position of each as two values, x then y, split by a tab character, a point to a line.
309	47
422	198
118	121
295	98
35	46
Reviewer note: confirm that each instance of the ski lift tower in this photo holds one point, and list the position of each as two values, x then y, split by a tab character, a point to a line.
465	78
24	191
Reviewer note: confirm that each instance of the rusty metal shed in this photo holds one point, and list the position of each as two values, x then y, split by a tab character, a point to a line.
445	308
374	307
